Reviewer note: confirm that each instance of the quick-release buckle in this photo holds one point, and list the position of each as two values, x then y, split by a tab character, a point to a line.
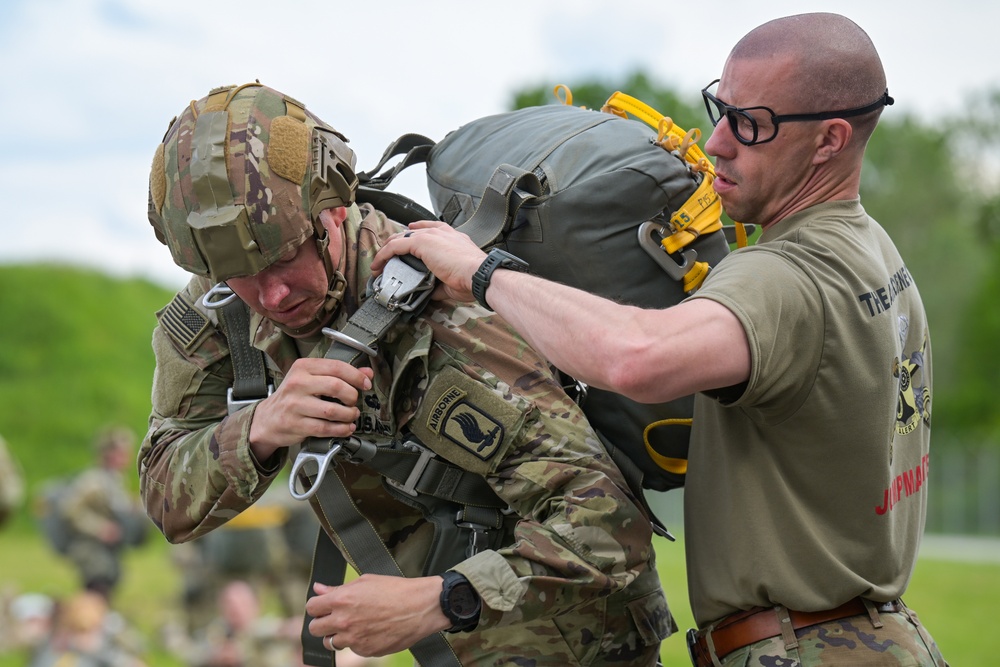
478	535
402	285
409	487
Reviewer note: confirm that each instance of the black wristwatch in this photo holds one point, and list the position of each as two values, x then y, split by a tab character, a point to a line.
459	601
496	259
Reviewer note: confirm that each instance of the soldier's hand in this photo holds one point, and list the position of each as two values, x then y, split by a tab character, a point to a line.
111	533
377	615
318	398
450	255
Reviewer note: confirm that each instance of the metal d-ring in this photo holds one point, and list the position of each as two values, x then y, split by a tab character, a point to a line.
220	295
322	461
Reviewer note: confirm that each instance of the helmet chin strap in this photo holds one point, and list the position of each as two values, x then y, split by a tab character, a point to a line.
336	285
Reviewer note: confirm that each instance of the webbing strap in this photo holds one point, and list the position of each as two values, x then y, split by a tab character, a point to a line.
413	147
509	189
364	547
328	567
741	235
250	374
439	478
366	326
367	553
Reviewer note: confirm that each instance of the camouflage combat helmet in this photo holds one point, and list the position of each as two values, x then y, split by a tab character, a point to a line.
240	179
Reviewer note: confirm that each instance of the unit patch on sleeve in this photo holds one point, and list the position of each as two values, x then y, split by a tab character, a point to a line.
465	422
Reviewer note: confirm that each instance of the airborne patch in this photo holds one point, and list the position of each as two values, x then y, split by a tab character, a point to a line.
465	422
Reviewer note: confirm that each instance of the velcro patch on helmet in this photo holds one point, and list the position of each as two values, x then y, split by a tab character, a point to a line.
466	422
158	179
288	151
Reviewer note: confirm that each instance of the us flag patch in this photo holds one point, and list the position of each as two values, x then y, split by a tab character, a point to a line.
184	324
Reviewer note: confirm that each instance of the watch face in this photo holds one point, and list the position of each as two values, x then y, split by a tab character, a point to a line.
463	601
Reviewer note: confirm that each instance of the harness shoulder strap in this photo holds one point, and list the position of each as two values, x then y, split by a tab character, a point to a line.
250	380
367	553
359	538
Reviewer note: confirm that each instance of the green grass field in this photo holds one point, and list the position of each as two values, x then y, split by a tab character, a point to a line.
951	597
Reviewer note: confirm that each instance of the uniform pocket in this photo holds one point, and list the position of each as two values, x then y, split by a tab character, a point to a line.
652	618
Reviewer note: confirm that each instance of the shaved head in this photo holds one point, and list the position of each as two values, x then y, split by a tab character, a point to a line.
837	64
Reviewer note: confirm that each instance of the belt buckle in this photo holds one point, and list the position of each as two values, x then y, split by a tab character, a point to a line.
692	643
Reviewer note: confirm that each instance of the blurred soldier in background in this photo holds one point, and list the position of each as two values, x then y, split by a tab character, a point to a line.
239	635
11	483
269	545
84	635
102	519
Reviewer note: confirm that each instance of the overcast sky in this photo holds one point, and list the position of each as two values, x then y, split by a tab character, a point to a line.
89	86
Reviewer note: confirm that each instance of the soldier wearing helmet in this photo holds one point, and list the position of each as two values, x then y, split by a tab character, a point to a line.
250	189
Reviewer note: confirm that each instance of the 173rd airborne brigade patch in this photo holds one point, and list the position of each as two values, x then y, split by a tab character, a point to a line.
466	423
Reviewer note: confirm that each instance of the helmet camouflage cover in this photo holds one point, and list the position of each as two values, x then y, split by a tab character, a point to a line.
240	179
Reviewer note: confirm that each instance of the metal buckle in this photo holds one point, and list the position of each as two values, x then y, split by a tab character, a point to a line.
402	286
692	642
478	535
409	487
650	236
322	461
234	404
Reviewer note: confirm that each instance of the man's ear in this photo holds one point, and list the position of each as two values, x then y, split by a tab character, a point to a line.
333	216
834	138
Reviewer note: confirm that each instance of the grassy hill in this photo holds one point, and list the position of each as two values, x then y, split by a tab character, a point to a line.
75	355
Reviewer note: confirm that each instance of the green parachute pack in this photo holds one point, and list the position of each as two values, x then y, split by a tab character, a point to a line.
618	202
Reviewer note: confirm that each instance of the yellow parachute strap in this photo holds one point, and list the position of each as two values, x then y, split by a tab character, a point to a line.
741	235
668	463
696	276
259	516
702	212
563	94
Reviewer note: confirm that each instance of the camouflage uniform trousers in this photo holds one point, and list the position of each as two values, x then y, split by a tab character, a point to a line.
854	642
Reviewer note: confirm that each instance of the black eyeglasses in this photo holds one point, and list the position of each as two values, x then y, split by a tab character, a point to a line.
758	125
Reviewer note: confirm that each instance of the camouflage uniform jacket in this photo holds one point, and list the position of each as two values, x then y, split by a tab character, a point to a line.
97	498
579	561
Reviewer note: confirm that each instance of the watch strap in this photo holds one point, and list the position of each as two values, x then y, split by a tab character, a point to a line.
495	259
